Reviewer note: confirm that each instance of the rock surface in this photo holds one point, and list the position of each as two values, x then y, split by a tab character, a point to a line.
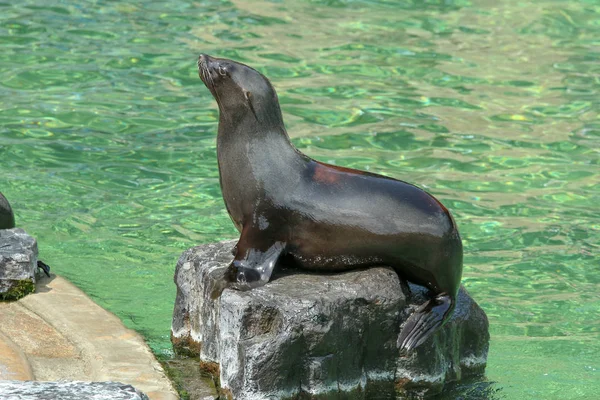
18	263
29	390
319	336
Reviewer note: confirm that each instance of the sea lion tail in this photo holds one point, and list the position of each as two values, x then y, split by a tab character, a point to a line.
425	320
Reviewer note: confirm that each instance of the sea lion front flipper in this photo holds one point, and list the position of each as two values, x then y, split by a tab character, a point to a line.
252	267
425	320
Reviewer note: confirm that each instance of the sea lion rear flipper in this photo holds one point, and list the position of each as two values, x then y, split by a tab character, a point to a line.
44	267
424	321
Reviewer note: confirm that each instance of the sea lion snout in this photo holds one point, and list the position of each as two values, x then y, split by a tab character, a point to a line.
204	60
213	70
203	70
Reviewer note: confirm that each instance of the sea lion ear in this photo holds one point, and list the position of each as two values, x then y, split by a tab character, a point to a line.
248	96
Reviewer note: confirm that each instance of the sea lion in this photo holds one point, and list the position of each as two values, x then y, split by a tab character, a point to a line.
323	217
7	218
7	221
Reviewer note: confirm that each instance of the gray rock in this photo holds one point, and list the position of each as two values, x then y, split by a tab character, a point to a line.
18	263
7	218
29	390
193	290
319	336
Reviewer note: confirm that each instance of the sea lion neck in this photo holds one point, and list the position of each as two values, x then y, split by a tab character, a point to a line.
243	121
241	125
235	140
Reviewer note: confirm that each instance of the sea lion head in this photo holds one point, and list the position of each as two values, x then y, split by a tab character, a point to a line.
240	90
7	218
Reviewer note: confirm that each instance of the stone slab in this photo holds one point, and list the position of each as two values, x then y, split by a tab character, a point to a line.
13	363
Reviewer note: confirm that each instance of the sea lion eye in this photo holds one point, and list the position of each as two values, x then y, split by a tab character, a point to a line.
222	70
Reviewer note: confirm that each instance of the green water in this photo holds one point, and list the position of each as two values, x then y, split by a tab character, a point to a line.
107	146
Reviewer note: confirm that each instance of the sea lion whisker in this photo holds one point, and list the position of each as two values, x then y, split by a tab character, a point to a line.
212	84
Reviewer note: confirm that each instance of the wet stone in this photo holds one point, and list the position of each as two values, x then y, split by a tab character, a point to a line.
29	390
18	263
319	336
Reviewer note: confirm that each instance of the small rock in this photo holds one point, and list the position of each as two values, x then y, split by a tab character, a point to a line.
18	263
319	336
30	390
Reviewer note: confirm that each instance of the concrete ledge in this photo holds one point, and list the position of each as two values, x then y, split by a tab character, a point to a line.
58	333
13	363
